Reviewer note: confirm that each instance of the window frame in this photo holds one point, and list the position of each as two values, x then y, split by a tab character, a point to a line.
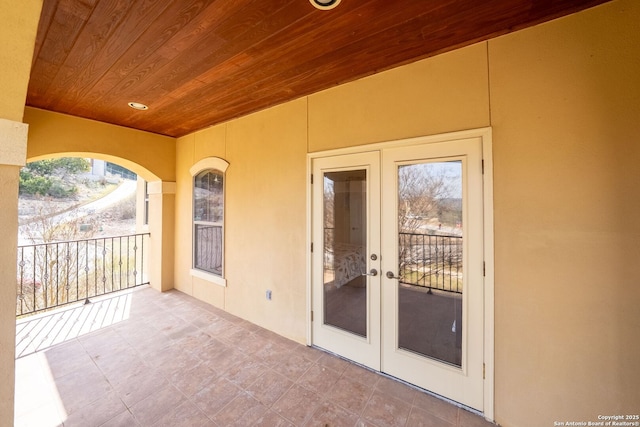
145	219
218	165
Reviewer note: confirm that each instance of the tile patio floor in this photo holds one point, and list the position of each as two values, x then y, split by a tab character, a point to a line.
149	359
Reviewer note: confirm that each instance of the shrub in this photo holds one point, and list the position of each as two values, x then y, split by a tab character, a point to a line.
60	191
34	185
40	178
61	166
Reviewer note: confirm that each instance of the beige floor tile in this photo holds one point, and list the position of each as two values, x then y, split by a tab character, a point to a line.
292	366
397	389
469	419
422	418
245	373
96	413
185	414
224	360
437	407
124	419
271	419
66	358
194	341
269	387
216	396
252	346
272	353
156	405
319	379
386	411
212	370
362	375
139	386
192	379
330	414
297	404
235	335
309	353
81	388
350	394
337	364
243	410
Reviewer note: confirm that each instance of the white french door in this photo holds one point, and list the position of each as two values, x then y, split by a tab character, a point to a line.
346	282
397	264
432	298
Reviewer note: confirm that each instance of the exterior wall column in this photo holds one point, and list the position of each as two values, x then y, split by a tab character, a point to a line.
18	35
162	201
13	154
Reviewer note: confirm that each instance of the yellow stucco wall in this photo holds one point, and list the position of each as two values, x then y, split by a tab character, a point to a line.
563	100
565	109
443	94
265	216
53	134
17	36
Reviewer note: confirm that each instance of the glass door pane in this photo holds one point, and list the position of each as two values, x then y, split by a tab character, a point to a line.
430	255
344	253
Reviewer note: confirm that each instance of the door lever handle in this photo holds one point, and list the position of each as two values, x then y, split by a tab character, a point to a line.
372	272
390	275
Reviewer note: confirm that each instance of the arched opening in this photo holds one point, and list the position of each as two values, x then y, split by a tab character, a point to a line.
82	231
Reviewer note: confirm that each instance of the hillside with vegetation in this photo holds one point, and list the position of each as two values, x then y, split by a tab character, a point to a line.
52	192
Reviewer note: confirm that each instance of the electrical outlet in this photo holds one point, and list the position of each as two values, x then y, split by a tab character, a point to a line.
269	294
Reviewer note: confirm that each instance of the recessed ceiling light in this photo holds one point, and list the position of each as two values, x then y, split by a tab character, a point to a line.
324	4
138	106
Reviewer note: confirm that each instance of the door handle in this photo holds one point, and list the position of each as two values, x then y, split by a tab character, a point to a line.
372	272
390	275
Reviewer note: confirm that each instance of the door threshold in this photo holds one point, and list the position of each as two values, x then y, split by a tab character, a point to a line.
401	381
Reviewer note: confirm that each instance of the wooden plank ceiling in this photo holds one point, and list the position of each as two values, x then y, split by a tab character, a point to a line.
196	63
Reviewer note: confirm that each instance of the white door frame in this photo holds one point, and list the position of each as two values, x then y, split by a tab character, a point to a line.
344	342
486	135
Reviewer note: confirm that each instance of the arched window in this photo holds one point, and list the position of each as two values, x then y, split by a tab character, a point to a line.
208	216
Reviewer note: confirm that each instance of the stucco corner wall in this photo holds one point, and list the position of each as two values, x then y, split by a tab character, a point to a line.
17	38
266	221
18	35
190	149
565	104
264	216
53	134
446	93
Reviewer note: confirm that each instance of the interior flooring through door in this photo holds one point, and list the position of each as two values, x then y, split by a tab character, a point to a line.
346	306
431	319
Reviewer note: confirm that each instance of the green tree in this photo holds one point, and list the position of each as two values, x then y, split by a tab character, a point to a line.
45	177
33	184
59	167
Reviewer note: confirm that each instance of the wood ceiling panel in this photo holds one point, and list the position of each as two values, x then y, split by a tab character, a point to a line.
224	62
272	58
200	62
96	66
46	17
65	26
78	64
195	63
157	22
323	62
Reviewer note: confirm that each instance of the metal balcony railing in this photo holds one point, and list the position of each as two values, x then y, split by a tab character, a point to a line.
54	274
431	261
